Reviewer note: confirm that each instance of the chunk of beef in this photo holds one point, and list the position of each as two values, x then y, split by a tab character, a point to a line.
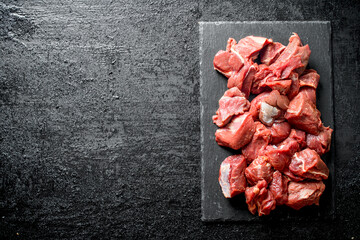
271	52
301	194
268	113
250	46
320	143
277	100
243	78
302	114
299	136
232	175
294	57
232	103
279	132
237	133
227	63
259	169
258	143
294	87
280	155
259	199
283	86
291	176
308	164
278	187
258	85
308	92
255	104
309	78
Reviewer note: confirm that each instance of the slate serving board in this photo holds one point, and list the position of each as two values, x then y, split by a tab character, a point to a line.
213	37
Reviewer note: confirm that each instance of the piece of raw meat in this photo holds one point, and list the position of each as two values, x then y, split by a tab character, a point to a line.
259	169
271	52
250	46
280	155
232	175
308	92
258	143
279	132
268	113
256	103
278	188
308	164
237	133
227	63
232	103
294	57
320	143
259	199
294	87
301	194
302	114
243	78
309	78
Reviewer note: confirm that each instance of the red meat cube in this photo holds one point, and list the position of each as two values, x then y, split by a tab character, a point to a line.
278	188
232	103
279	132
259	169
231	175
309	78
250	46
320	143
258	143
258	198
271	52
302	114
301	194
237	133
308	164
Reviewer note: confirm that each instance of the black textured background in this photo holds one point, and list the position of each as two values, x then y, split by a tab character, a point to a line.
99	118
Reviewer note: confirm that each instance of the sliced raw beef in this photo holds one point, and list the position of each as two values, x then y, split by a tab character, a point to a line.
308	164
258	143
301	194
232	103
250	46
237	133
271	52
309	78
320	143
278	187
279	132
302	114
231	175
259	169
294	57
259	199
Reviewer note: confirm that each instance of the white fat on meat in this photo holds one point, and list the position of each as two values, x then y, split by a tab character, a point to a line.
268	113
225	179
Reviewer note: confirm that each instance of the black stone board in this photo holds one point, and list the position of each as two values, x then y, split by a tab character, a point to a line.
213	37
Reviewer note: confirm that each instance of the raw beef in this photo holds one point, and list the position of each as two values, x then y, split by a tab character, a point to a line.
302	114
237	133
250	46
259	199
308	164
279	187
232	103
301	194
308	92
309	78
279	132
258	143
232	177
256	103
320	143
271	52
259	169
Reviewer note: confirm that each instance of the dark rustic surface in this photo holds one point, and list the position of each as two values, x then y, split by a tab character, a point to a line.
213	37
99	110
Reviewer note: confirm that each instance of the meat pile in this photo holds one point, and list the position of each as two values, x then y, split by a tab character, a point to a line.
280	133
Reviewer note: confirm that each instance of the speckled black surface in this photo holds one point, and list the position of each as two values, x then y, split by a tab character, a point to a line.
99	109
